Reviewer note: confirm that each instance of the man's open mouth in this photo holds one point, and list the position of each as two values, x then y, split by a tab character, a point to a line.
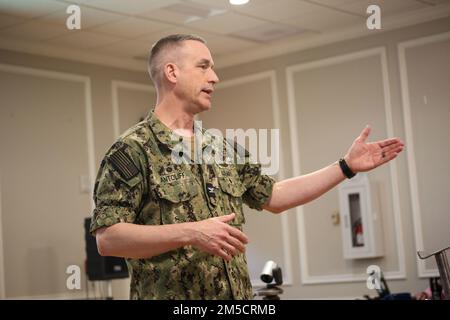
208	91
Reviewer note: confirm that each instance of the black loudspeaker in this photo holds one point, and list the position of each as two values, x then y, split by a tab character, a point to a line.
98	267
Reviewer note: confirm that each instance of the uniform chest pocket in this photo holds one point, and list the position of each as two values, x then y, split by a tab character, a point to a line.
177	201
177	192
232	190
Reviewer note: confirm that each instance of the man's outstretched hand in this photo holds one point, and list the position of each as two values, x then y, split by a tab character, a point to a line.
363	156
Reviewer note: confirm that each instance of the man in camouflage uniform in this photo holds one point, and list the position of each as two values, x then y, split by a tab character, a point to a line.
180	225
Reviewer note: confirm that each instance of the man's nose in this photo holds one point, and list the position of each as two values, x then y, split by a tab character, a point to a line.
213	77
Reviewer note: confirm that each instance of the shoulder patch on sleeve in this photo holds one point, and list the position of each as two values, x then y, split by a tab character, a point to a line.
122	163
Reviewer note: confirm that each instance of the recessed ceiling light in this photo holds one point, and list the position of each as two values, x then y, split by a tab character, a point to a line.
238	2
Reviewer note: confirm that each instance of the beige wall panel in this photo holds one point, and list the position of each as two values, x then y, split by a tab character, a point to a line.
43	138
428	68
334	103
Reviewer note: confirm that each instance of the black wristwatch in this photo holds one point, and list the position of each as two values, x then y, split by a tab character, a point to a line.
346	169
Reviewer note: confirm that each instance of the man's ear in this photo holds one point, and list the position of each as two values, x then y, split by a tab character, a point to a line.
171	72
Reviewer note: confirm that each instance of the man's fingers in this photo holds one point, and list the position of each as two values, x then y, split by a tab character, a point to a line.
364	134
388	142
228	244
222	253
392	147
236	244
238	234
390	152
227	218
232	230
229	248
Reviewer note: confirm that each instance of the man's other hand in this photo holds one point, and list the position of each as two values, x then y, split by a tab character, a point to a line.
217	237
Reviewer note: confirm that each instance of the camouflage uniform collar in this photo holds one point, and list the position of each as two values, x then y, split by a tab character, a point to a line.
164	134
169	138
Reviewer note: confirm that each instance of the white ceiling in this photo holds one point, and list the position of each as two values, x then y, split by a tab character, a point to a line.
120	33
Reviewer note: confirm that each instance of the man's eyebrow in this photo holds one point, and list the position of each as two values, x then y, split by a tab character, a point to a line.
206	61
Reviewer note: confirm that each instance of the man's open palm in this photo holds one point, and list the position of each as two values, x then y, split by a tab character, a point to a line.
363	156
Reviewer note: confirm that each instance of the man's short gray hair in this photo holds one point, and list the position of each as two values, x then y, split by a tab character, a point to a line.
155	63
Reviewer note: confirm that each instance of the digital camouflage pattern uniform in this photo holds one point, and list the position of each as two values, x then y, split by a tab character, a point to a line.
139	183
